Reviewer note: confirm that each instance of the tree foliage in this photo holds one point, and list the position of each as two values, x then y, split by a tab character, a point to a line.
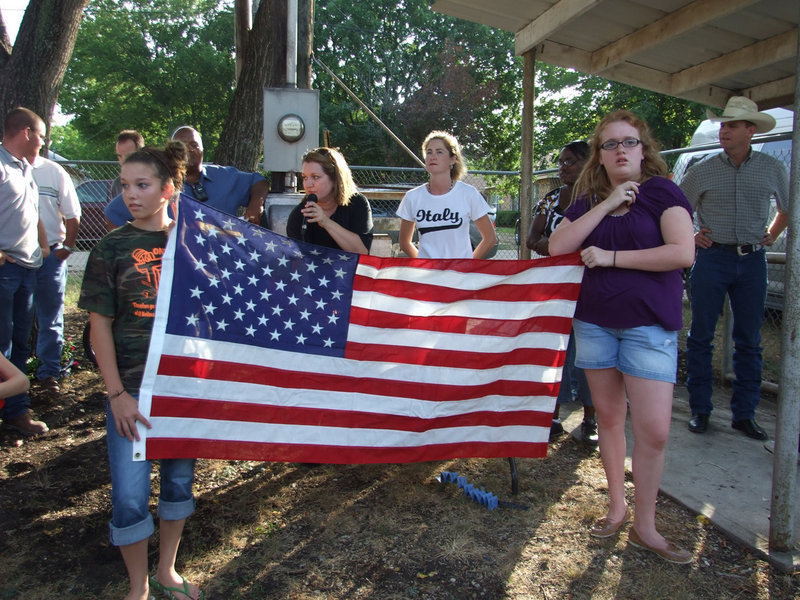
418	71
31	72
150	65
569	105
153	65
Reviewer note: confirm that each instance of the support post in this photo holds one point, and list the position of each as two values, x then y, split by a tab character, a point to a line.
526	167
784	470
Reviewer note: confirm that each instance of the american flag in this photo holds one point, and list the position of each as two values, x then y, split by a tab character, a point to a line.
266	348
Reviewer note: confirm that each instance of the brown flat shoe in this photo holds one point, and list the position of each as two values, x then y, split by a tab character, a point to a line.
605	527
671	553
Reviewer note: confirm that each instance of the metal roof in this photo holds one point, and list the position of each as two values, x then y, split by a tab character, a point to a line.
701	50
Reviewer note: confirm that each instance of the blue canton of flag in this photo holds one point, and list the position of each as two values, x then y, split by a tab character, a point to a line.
250	286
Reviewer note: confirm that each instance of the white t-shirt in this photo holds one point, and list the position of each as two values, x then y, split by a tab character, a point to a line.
57	198
443	221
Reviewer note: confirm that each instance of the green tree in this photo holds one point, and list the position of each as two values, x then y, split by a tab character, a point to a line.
569	105
150	65
418	71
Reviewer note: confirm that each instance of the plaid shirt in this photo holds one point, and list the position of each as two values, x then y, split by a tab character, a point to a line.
734	203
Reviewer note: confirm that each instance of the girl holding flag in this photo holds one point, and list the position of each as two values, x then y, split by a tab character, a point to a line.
119	291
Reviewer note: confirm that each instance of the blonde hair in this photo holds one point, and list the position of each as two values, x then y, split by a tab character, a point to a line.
453	147
593	181
334	166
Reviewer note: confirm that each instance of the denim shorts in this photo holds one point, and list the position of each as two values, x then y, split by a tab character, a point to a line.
649	352
131	520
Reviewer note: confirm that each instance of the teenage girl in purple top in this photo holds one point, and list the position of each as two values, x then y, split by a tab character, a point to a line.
633	229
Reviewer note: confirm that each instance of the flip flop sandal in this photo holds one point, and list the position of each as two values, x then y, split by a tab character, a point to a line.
168	591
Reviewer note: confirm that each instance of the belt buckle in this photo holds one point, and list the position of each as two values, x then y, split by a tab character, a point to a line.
746	249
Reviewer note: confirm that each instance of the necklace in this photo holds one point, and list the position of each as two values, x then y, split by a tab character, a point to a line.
430	191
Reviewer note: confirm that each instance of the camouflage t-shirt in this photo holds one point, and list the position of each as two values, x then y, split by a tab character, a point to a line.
121	280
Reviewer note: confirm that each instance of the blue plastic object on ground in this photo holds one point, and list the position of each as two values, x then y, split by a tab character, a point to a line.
480	496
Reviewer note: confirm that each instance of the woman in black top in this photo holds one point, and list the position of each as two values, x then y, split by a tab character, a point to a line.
338	216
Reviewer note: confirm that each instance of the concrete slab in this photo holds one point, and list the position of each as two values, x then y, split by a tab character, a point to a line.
721	474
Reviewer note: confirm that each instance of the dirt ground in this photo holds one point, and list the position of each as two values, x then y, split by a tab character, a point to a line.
379	532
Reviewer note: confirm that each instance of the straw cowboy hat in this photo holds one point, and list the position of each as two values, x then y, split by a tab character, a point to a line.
740	108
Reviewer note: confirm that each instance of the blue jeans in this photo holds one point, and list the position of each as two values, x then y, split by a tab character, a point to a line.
131	520
573	379
51	285
717	271
647	351
17	285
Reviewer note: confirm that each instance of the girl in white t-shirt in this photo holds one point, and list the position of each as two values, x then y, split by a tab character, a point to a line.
442	209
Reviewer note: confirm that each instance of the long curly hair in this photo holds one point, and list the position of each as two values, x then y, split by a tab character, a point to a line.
334	166
593	181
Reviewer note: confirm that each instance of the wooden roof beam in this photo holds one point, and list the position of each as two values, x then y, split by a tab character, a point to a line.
636	75
690	17
551	20
773	94
749	58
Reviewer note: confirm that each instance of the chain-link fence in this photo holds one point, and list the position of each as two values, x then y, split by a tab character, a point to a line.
93	181
385	186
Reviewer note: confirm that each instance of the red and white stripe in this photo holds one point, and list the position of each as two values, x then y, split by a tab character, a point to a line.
444	359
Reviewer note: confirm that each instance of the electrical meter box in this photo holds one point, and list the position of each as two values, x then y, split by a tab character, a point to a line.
291	127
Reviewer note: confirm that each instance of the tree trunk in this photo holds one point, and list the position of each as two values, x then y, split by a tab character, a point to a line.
242	140
32	73
305	42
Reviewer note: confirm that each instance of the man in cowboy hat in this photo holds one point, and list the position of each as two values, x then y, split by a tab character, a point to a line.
731	194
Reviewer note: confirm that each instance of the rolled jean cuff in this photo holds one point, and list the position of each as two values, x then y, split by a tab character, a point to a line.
125	536
175	511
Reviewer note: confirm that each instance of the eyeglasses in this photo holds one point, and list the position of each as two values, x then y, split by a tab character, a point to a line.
567	163
199	192
626	143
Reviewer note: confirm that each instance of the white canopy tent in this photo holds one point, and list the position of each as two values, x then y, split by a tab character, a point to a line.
701	50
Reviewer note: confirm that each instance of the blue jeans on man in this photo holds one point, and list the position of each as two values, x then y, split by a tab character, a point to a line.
743	278
17	285
51	286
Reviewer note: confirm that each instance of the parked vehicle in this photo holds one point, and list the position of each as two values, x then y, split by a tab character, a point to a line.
707	134
94	195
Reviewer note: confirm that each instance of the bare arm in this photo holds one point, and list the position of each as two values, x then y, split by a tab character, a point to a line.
124	407
568	236
406	233
347	240
13	381
677	252
779	223
488	237
255	206
536	239
72	234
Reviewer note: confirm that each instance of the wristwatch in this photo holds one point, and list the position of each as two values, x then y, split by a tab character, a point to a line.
69	249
